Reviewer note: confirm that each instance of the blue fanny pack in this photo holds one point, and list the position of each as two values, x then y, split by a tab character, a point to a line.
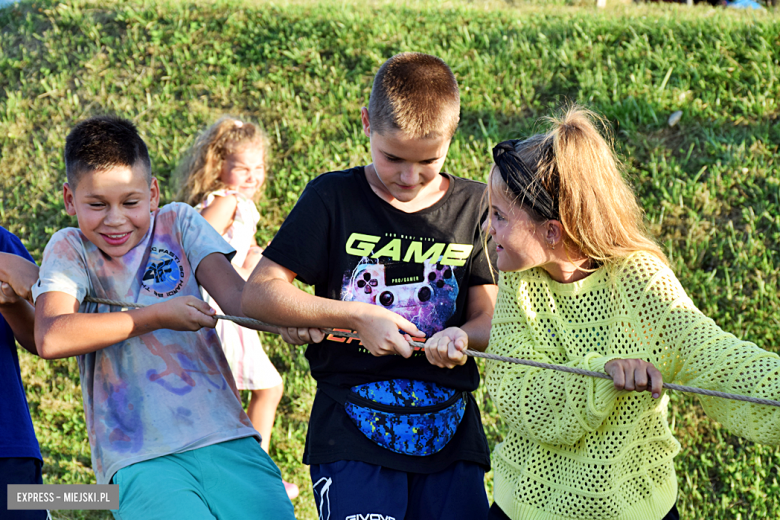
405	416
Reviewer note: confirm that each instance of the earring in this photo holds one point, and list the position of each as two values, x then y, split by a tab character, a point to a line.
551	245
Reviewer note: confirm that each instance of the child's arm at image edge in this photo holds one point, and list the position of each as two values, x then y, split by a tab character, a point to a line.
19	272
61	331
17	275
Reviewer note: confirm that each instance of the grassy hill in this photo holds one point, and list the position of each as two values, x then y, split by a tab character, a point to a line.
710	184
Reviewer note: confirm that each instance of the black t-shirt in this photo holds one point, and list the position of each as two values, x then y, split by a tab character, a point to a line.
353	246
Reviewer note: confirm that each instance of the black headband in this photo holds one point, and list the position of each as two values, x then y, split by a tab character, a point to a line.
522	181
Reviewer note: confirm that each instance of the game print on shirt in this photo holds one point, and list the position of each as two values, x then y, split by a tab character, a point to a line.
165	391
353	246
423	288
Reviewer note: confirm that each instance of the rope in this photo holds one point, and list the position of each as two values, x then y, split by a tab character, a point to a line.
582	372
256	324
250	323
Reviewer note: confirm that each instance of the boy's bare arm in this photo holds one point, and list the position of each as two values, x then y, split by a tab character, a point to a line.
61	331
19	315
445	348
218	276
270	296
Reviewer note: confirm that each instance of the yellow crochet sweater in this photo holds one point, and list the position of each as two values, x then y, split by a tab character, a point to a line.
576	447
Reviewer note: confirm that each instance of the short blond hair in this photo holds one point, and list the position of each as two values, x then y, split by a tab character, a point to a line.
201	168
577	166
417	94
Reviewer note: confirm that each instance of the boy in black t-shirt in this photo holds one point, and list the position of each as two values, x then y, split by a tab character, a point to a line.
394	251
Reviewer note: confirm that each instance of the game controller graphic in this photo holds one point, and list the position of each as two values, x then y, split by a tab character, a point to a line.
424	294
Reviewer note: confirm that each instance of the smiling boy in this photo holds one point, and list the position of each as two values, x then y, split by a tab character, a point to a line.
163	415
393	250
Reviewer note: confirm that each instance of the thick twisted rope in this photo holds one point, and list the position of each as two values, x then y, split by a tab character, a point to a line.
256	324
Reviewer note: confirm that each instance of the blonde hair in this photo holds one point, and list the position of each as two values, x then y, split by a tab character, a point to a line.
417	94
202	166
578	167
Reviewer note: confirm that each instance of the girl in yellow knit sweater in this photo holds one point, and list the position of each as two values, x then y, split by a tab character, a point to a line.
582	284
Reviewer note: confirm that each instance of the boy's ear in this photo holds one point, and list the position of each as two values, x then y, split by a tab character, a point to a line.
364	120
68	197
154	199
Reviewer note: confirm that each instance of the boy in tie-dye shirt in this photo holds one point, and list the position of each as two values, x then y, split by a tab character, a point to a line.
165	422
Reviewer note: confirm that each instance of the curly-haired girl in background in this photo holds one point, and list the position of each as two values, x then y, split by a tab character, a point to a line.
222	177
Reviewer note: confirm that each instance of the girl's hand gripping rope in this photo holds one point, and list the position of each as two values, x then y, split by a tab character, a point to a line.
635	375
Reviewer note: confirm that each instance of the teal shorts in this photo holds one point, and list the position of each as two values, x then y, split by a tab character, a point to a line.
228	480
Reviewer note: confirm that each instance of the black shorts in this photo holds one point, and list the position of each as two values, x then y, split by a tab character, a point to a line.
19	470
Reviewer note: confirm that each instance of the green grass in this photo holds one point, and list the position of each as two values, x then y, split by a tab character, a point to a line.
709	185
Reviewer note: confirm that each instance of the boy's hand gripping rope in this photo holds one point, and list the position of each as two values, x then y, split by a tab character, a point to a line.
253	324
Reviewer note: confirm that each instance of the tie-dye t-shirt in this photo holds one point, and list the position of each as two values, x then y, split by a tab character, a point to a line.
165	391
